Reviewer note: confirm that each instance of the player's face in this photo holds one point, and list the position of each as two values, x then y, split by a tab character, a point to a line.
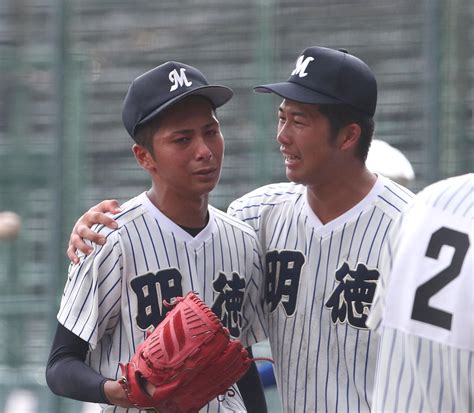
305	141
188	149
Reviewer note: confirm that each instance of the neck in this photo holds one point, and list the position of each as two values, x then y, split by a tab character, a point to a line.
330	200
189	212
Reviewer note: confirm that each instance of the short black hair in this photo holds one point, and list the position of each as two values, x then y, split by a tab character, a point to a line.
143	135
340	115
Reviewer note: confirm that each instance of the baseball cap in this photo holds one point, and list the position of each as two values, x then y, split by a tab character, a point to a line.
159	88
325	75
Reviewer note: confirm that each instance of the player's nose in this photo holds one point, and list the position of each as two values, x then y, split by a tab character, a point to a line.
203	152
283	137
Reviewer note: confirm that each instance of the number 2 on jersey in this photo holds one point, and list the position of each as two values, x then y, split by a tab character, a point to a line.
421	308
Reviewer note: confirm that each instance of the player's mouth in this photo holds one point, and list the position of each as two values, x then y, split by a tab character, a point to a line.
207	173
290	159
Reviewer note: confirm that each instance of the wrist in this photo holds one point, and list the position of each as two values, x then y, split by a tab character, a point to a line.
115	394
104	398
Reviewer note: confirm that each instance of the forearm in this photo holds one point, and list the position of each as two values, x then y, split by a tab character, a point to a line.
69	376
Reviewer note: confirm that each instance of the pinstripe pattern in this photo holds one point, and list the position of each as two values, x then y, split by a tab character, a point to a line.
425	367
148	254
321	364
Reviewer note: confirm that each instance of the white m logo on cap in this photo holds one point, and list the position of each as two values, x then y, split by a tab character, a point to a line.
301	65
178	79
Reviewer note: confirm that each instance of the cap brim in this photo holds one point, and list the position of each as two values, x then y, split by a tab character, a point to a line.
217	94
298	93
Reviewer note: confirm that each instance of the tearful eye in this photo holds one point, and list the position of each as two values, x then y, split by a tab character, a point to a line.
183	139
212	132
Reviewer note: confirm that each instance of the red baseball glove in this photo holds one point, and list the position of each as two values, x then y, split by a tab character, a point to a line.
189	357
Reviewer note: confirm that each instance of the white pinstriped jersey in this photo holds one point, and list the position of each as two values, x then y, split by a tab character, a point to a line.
319	287
423	304
115	294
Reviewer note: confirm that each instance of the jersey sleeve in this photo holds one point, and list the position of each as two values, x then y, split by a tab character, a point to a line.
374	320
247	209
90	304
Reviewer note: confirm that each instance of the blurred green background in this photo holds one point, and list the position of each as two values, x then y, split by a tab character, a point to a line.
65	66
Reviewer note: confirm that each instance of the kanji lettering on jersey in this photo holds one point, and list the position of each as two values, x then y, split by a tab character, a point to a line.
351	299
151	289
228	304
283	270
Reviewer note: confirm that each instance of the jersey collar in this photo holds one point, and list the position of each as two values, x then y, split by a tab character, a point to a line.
347	216
170	226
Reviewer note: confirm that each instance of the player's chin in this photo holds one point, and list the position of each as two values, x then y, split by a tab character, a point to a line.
204	185
294	176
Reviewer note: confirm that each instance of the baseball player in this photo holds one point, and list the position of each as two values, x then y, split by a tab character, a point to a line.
168	241
422	306
321	233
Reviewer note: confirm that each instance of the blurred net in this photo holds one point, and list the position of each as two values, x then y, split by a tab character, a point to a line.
65	67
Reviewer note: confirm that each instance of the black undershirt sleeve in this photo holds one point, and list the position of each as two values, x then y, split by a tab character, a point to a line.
68	375
251	389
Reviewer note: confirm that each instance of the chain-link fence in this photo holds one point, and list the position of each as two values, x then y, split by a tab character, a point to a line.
64	69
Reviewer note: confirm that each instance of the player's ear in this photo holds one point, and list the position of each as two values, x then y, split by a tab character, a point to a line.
143	157
349	136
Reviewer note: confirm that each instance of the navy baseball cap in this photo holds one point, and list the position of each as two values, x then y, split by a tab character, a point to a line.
324	76
159	88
